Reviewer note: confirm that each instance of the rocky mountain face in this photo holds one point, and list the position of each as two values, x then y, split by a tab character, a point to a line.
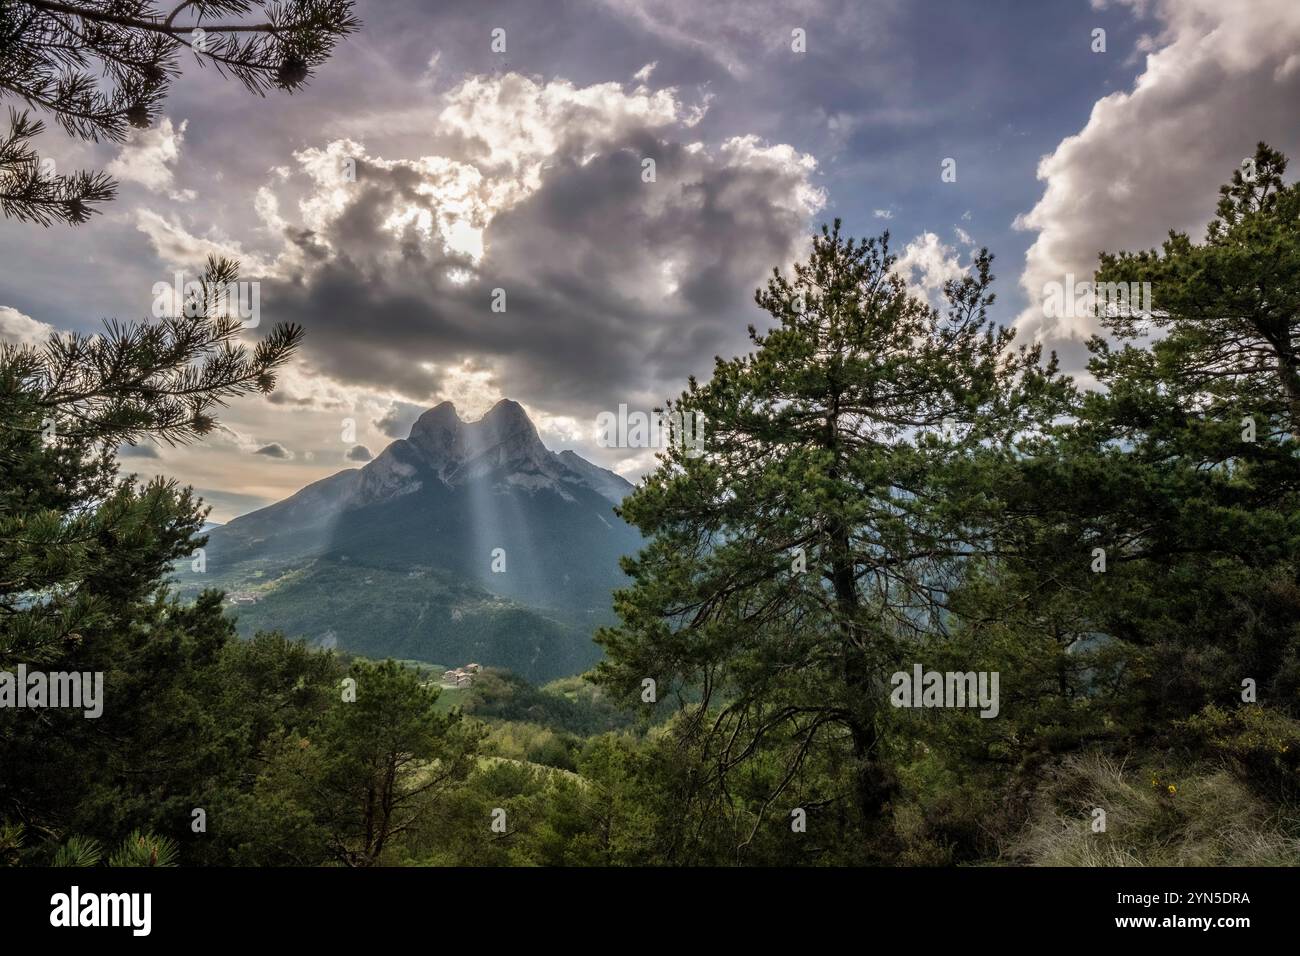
466	540
502	449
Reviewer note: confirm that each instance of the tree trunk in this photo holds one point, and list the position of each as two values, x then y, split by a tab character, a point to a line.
1287	371
872	784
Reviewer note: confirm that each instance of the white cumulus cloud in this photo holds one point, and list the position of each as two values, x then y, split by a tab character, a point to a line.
1220	76
148	156
17	328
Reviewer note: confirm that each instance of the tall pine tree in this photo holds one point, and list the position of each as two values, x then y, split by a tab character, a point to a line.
807	553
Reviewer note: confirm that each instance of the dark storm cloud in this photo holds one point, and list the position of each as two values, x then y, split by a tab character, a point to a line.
614	287
284	398
359	453
274	450
137	451
397	421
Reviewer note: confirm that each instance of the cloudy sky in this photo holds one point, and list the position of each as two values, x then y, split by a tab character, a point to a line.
521	170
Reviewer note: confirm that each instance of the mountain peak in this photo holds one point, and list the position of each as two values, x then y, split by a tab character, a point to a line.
505	408
506	422
438	431
455	449
505	416
442	415
503	445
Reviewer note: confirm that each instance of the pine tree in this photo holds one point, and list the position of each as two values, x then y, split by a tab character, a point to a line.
367	775
84	557
1160	526
1224	334
825	449
78	542
1202	421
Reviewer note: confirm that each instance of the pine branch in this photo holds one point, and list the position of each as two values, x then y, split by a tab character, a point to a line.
103	67
29	195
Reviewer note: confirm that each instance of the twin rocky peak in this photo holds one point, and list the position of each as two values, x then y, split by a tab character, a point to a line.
502	450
